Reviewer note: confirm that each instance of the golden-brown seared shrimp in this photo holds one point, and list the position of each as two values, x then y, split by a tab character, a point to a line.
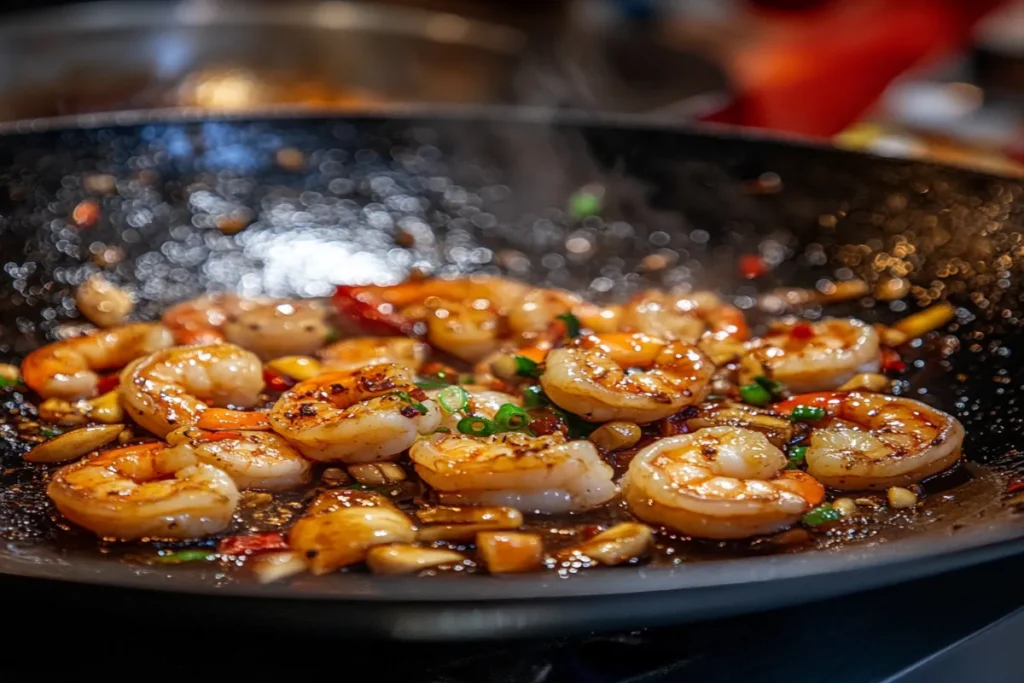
270	328
67	369
362	416
359	352
684	317
172	388
874	441
254	460
719	482
147	491
626	377
815	356
536	473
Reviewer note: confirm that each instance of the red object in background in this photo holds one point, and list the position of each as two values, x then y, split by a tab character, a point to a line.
817	72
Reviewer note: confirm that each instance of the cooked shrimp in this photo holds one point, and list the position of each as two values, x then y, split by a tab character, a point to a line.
67	369
719	482
543	473
684	317
874	441
352	354
268	327
815	356
146	491
361	416
172	388
254	460
626	377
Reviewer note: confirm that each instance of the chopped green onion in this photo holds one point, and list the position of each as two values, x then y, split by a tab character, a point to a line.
807	414
585	202
534	397
50	432
453	399
404	395
528	368
823	514
432	384
773	387
9	383
511	418
476	426
755	395
332	336
572	324
183	556
797	457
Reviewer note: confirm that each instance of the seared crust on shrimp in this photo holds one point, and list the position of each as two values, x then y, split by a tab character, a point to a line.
874	441
146	491
172	388
254	460
815	356
542	474
626	377
361	416
67	369
719	482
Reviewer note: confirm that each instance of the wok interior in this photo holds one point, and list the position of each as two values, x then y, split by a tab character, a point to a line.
368	200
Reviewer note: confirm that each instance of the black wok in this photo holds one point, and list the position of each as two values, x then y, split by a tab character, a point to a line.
487	191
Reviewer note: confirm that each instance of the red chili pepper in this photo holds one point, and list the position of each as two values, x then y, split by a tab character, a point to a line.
107	383
891	361
368	315
819	399
802	331
253	544
1015	486
752	266
276	382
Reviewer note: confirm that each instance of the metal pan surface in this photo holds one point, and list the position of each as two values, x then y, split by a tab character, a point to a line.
331	201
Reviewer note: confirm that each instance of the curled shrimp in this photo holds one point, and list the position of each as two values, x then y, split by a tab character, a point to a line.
685	317
362	416
814	356
268	327
352	354
874	441
540	473
254	460
719	482
172	388
67	369
626	377
147	491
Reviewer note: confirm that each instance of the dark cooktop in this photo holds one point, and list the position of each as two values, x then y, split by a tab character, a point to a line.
962	626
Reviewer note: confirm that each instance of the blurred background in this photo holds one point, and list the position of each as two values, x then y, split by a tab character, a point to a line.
939	79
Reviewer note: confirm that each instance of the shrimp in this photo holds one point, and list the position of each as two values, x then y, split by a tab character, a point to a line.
362	416
254	460
684	317
814	356
270	328
718	482
352	354
540	473
146	491
874	441
171	388
595	378
67	369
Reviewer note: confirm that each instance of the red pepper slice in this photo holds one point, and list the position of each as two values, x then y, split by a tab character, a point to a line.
752	266
108	383
802	331
270	541
891	361
358	306
820	399
1015	486
276	382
